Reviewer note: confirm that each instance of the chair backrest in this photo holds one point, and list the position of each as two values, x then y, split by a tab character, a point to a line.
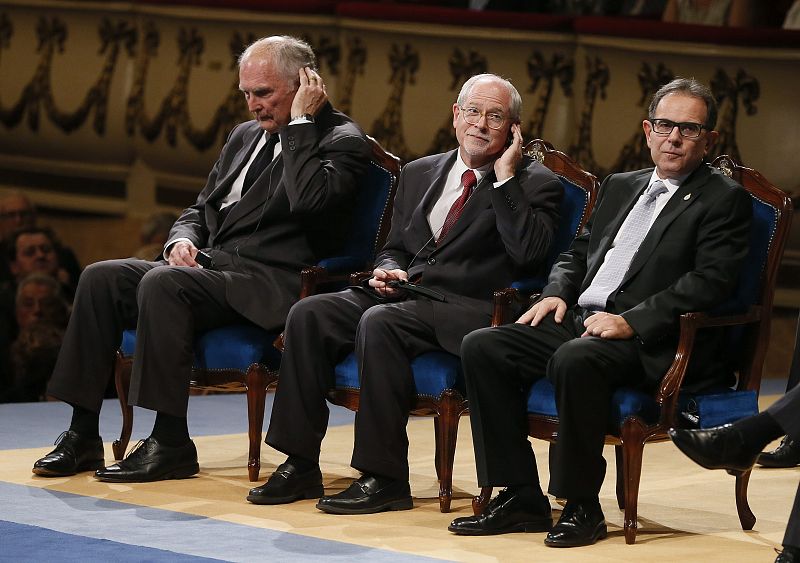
772	216
580	192
372	210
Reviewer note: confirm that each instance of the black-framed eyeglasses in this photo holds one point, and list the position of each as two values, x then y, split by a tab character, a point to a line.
473	116
687	129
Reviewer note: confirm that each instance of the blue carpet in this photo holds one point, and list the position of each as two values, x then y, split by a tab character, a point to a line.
209	415
93	529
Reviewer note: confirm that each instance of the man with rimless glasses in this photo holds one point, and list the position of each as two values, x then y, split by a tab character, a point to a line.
464	223
661	242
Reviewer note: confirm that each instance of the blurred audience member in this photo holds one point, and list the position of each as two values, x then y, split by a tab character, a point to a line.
731	13
643	8
17	212
154	235
41	318
33	249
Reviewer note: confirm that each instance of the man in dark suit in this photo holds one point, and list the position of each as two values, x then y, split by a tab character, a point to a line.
735	448
258	221
464	222
660	242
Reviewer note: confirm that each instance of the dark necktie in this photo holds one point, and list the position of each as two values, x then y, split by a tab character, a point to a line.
468	181
260	162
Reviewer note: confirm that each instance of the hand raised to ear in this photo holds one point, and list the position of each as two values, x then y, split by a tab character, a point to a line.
311	95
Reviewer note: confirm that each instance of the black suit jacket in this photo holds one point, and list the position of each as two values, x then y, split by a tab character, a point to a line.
294	213
689	261
503	234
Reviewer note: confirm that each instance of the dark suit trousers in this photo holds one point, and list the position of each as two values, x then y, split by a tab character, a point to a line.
167	305
786	412
500	365
320	331
794	371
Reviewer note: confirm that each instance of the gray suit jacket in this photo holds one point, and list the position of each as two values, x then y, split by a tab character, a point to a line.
295	212
503	234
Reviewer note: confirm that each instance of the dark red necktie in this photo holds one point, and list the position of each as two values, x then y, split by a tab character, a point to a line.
468	181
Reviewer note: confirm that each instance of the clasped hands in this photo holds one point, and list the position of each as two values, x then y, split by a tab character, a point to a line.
380	278
601	324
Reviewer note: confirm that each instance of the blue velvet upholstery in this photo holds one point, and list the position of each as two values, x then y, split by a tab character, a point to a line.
702	410
433	373
714	406
572	207
234	347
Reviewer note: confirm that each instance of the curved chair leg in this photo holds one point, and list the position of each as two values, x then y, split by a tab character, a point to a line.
633	434
446	428
746	516
258	379
620	478
122	381
479	502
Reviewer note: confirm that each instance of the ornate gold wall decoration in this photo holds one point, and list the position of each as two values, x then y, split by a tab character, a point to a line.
38	93
462	67
597	77
356	61
635	154
728	92
6	31
559	68
172	116
388	127
329	52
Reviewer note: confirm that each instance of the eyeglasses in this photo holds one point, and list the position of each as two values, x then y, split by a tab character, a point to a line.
687	129
473	117
30	251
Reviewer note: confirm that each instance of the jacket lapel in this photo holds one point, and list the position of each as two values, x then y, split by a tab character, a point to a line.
478	201
434	178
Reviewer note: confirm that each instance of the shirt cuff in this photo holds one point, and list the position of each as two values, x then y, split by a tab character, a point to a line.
171	243
501	182
301	119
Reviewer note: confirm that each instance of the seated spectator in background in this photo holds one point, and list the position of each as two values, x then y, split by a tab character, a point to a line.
731	13
33	249
154	235
41	318
17	212
643	8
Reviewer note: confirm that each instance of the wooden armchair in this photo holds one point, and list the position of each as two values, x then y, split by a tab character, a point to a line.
640	418
237	357
437	375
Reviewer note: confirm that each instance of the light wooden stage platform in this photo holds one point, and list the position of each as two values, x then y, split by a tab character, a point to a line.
686	513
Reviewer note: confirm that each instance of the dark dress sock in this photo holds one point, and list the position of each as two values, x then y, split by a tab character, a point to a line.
85	422
301	464
171	430
759	430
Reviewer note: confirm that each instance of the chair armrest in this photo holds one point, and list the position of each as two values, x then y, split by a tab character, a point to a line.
502	301
690	323
357	277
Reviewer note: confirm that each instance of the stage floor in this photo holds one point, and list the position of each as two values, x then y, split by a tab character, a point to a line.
685	512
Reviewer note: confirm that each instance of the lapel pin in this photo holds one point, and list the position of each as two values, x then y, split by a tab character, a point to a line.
686	197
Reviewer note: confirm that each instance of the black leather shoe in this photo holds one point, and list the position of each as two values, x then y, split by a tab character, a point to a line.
785	455
288	485
789	554
506	513
721	447
72	455
579	525
368	495
151	461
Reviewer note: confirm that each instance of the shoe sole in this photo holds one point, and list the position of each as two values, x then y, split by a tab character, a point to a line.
524	527
309	493
402	504
594	539
180	473
87	466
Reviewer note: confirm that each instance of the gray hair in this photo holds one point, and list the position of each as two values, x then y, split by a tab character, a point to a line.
516	100
40	279
288	54
688	87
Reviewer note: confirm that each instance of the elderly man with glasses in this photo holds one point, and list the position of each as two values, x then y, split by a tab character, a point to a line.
661	242
464	223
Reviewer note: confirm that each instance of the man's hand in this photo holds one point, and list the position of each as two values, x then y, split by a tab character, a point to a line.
311	95
506	166
541	309
182	253
606	325
380	277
